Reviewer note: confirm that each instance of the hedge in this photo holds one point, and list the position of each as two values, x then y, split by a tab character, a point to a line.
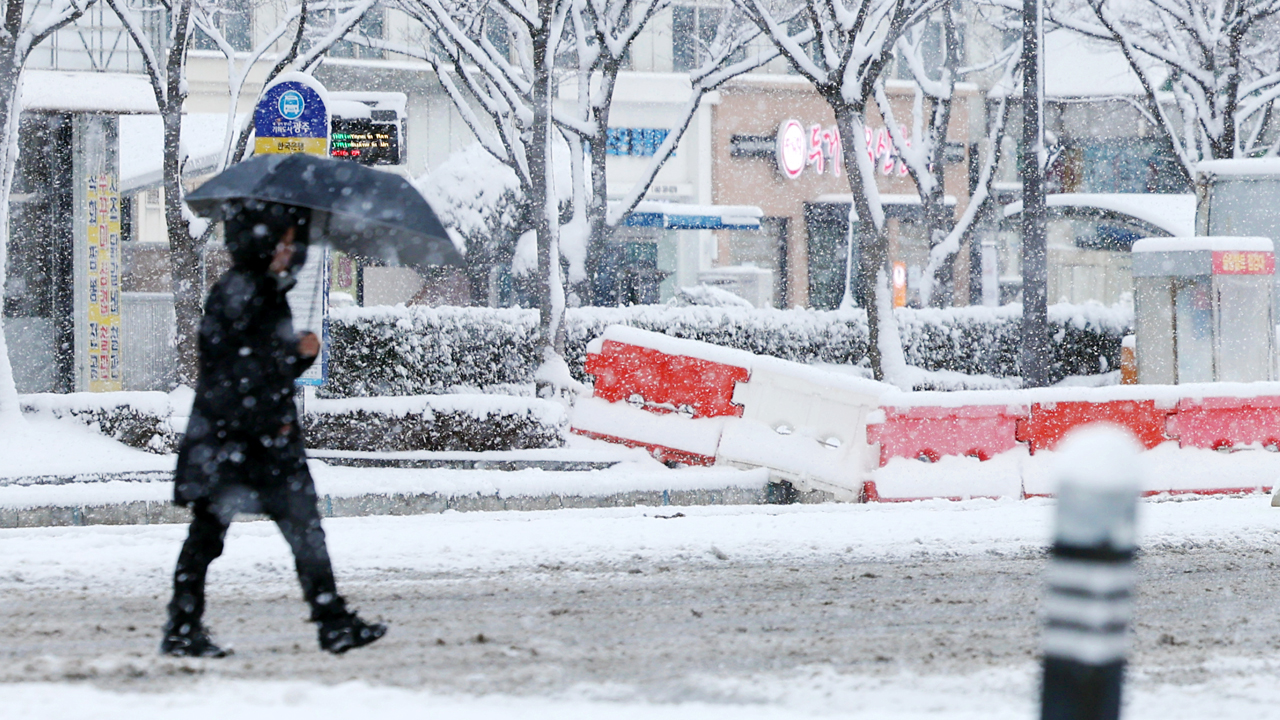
421	350
440	423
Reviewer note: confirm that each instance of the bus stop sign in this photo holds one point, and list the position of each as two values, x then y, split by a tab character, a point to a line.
292	117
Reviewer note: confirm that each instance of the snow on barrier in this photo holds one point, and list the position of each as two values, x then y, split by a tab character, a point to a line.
664	382
699	404
1225	423
1181	427
1049	422
667	395
696	403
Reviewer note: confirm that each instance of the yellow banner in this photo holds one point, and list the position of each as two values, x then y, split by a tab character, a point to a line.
289	146
104	256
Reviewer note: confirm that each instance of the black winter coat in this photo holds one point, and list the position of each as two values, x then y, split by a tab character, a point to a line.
244	395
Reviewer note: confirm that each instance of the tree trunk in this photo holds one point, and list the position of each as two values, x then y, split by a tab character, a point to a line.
542	197
9	114
872	240
598	206
185	251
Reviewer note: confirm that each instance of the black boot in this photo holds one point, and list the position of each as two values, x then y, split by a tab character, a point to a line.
342	633
188	638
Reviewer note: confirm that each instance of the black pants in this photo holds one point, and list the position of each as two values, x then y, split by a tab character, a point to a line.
294	512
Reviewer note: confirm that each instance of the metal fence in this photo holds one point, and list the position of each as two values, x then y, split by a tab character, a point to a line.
147	323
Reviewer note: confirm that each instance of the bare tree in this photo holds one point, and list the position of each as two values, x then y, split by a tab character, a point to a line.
1218	58
166	70
603	33
842	47
924	158
497	62
24	28
240	64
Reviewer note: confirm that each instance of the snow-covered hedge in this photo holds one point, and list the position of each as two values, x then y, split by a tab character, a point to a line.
437	422
421	350
137	419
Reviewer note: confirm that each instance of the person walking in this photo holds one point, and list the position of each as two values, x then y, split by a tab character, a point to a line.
243	450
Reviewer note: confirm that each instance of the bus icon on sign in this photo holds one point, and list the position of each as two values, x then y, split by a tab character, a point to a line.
291	105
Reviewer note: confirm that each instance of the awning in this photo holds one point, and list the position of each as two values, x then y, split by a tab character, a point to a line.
1159	213
142	148
88	92
683	216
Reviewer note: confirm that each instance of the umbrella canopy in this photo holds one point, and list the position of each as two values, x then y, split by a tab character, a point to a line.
355	209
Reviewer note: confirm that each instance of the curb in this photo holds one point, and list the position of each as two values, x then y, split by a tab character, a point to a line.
154	512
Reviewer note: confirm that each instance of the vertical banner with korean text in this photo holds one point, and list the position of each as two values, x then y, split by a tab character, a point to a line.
104	266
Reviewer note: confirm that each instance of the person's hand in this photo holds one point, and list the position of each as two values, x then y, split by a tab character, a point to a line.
308	345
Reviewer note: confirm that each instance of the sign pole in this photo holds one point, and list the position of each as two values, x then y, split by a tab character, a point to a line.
292	116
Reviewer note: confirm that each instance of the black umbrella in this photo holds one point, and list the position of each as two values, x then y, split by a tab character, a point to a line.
355	209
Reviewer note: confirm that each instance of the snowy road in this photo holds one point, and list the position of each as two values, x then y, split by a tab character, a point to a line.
920	610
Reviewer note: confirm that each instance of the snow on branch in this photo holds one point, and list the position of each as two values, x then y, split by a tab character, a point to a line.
343	24
60	14
1210	70
717	69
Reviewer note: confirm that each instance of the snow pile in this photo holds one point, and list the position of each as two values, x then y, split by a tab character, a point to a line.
148	421
45	445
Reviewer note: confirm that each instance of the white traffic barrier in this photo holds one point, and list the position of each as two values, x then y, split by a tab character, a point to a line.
807	426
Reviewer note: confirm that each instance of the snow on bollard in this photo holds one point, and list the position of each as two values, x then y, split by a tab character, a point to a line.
1090	577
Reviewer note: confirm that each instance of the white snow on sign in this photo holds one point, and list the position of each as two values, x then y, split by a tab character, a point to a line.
1215	242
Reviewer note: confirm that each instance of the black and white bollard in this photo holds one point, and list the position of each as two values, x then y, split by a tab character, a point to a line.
1090	576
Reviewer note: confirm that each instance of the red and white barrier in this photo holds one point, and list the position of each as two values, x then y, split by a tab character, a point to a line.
698	404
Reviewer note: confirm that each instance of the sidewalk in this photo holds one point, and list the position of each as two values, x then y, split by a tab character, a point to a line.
358	484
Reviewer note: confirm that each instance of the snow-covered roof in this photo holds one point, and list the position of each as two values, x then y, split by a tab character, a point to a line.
1246	166
683	216
1214	243
1172	213
88	92
142	147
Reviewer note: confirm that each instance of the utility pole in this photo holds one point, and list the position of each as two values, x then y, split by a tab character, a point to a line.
1034	361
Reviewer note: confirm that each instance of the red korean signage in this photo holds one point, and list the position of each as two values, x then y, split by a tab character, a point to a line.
798	148
1243	262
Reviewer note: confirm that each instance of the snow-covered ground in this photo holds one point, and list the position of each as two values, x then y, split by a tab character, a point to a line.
813	693
65	447
119	562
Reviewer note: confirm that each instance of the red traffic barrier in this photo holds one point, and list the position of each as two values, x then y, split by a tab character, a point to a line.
1045	427
664	383
1221	423
928	433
